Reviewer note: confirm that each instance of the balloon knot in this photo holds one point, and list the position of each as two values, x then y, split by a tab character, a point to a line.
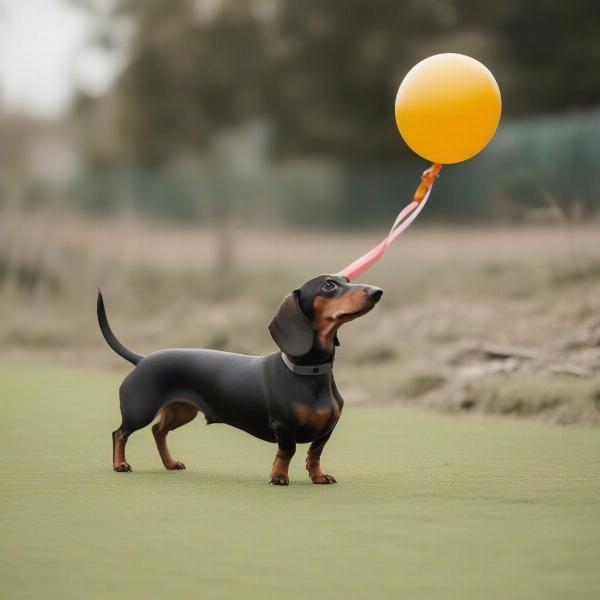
427	180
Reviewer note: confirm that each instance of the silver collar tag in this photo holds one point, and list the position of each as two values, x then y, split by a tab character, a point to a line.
307	369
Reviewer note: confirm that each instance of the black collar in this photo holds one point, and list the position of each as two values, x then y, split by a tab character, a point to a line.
321	369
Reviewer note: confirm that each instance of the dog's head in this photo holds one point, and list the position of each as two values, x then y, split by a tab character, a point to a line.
311	315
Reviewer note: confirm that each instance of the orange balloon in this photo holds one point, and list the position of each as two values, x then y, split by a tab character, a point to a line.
448	108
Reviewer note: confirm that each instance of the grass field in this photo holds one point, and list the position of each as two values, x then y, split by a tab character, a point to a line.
427	506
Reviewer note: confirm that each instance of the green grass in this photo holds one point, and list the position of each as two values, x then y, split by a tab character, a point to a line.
427	506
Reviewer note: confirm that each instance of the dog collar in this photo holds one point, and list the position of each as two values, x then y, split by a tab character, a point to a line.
307	369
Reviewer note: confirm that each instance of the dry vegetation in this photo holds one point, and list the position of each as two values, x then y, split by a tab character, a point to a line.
476	320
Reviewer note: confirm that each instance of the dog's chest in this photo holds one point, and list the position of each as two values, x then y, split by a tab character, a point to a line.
316	421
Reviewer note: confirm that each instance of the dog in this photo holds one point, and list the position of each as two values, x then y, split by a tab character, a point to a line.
286	397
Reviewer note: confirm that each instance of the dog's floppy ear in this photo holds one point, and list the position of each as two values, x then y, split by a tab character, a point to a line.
290	328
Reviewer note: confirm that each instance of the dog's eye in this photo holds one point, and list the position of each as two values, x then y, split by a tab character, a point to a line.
329	285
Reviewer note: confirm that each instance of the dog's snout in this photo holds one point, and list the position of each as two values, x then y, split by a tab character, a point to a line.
374	293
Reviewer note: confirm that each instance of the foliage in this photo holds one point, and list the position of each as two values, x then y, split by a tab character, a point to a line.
539	169
324	74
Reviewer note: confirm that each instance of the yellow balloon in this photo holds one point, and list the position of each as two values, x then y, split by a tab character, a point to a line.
448	108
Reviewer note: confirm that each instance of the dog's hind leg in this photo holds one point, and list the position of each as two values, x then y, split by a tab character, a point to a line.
119	439
172	416
135	415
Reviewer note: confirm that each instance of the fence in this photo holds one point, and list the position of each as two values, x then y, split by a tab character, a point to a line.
552	161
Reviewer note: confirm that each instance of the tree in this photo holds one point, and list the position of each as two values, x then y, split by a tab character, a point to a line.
187	77
324	74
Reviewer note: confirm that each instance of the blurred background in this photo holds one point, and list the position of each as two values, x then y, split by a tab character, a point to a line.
198	159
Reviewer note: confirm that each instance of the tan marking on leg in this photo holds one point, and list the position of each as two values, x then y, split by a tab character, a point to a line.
172	416
120	463
281	465
313	465
313	459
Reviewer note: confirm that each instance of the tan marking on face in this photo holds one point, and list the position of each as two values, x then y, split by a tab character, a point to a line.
330	313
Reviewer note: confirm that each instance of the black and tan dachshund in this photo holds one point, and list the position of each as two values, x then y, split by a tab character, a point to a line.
287	397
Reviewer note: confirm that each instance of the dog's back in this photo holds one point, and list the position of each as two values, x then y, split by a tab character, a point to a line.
226	387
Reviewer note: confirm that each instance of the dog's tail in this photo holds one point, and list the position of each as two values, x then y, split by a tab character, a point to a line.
110	337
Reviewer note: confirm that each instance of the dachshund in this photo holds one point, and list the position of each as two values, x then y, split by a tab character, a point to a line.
286	397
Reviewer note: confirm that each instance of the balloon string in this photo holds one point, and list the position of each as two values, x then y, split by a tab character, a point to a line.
406	216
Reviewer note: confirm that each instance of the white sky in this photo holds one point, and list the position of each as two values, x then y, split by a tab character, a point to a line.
43	56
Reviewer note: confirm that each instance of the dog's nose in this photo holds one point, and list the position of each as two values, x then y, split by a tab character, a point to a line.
375	293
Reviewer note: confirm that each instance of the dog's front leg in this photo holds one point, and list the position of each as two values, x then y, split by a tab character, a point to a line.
286	448
313	462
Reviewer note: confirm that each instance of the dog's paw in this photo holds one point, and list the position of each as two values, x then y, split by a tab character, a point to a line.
279	480
325	479
122	468
177	466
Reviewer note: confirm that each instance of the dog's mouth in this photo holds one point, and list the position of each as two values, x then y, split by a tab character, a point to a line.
354	314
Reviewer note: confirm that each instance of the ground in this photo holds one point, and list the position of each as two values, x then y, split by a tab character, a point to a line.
428	506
